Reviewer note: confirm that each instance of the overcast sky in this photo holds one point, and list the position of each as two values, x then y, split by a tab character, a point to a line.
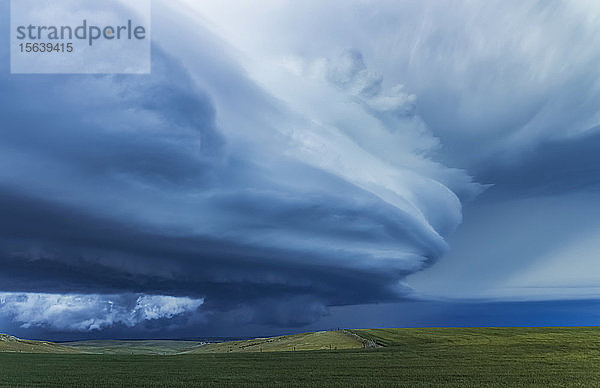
302	165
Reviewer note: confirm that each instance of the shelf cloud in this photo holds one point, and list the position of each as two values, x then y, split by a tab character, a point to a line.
268	184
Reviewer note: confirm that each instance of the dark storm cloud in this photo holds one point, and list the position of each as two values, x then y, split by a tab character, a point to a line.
117	188
49	247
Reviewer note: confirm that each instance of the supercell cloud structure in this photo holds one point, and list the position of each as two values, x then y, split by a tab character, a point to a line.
144	184
271	182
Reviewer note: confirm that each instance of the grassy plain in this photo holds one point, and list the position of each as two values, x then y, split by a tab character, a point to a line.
483	357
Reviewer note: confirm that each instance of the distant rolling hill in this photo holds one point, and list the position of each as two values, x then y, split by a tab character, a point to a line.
434	339
321	340
10	344
148	347
557	337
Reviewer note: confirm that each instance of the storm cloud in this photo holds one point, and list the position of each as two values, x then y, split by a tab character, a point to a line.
265	184
177	184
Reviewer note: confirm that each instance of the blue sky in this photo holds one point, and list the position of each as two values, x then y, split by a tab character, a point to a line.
306	165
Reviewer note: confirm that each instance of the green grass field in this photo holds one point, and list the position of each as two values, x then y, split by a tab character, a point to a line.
485	357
